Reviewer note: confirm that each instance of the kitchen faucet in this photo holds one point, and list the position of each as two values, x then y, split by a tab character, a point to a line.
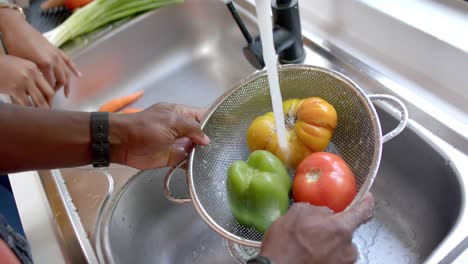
287	34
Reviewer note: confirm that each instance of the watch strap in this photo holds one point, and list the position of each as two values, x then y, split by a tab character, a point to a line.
259	260
100	146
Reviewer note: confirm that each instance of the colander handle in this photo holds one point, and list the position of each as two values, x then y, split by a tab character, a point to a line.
167	181
403	114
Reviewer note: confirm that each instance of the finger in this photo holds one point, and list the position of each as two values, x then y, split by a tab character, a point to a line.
70	64
299	207
60	77
36	95
310	210
178	151
48	74
199	113
22	99
186	127
359	214
350	254
191	112
66	89
45	88
295	212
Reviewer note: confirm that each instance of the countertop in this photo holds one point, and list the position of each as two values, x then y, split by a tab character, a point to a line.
36	216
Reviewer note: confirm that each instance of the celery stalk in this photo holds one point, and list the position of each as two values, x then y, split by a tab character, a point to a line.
124	11
99	13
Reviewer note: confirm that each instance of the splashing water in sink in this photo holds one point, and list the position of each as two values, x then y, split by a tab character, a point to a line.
269	55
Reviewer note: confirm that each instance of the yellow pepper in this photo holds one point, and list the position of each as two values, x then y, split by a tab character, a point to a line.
309	122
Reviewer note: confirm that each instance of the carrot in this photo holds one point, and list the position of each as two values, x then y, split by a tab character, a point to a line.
130	111
119	103
50	4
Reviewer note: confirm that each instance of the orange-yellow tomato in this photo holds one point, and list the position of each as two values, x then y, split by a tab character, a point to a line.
309	122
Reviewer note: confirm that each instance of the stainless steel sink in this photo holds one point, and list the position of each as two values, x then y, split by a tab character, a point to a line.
191	54
419	201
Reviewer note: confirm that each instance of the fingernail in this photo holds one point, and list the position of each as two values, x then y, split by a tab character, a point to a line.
181	150
206	139
80	74
371	212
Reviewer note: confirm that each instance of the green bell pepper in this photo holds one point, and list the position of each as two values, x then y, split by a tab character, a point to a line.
258	190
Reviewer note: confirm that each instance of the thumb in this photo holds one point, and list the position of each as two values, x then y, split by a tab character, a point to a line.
187	127
178	151
359	214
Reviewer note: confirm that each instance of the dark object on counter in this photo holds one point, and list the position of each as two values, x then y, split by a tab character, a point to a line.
259	260
100	146
45	21
287	34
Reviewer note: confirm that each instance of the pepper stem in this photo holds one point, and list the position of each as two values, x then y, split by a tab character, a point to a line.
289	120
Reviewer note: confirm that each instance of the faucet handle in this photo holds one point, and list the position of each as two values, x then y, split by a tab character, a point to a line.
253	50
240	23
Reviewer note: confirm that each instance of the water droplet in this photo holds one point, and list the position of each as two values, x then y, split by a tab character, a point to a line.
195	255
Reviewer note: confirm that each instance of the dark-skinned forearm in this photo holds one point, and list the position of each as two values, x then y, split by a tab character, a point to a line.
33	139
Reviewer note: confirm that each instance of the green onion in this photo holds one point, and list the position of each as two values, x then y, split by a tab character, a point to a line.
100	13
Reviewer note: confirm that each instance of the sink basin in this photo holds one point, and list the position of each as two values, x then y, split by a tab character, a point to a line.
412	218
191	54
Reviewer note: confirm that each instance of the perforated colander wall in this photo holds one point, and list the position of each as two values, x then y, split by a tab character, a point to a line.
354	138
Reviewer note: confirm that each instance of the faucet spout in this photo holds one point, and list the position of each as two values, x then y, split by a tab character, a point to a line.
286	17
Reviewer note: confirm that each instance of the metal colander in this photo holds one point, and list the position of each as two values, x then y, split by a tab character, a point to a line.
357	138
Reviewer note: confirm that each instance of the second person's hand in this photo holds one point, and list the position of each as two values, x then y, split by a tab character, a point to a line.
23	41
311	234
159	136
20	79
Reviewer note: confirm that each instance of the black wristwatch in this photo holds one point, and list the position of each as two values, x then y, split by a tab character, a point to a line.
259	260
100	146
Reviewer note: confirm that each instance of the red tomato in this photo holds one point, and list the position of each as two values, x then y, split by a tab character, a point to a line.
324	179
74	4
